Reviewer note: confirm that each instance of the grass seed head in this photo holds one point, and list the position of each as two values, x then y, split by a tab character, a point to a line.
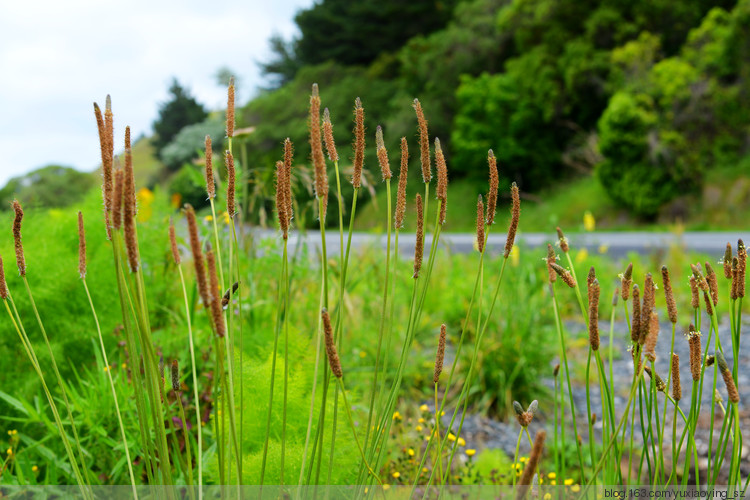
3	283
195	247
562	241
333	155
173	243
81	247
20	258
333	355
694	341
556	370
175	375
480	224
635	324
709	306
104	143
658	382
419	247
318	160
129	207
676	387
590	277
494	186
402	178
359	142
209	170
281	203
288	158
727	262
515	215
551	259
699	279
735	290
442	180
669	295
726	373
742	258
117	200
649	298
424	142
627	282
564	275
230	108
594	291
229	162
695	297
439	356
531	465
615	296
385	168
713	283
652	337
217	314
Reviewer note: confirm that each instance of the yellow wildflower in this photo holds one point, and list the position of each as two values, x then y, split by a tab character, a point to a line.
582	255
362	354
552	475
547	496
424	408
410	452
603	248
451	437
9	451
396	416
421	420
419	428
575	488
386	487
396	475
589	223
523	460
515	255
208	218
553	482
461	442
34	468
425	469
471	452
568	482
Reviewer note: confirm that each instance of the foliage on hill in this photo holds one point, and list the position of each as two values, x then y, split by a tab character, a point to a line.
51	186
643	92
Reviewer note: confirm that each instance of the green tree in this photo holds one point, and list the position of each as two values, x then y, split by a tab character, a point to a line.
50	186
178	112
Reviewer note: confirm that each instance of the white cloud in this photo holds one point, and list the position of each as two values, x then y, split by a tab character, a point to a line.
57	58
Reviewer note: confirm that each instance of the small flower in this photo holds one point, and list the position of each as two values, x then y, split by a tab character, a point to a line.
424	408
575	488
386	487
410	452
582	255
396	475
589	223
9	451
568	482
362	354
419	428
208	218
421	420
471	452
547	496
425	470
603	248
34	468
451	437
552	475
523	460
124	365
553	482
461	442
106	368
396	416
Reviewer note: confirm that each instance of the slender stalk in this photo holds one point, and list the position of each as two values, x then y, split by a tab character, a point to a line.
196	397
114	392
285	283
186	436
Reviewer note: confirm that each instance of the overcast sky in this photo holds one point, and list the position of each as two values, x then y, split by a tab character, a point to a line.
58	57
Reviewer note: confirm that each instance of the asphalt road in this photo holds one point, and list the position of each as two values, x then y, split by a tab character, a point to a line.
617	244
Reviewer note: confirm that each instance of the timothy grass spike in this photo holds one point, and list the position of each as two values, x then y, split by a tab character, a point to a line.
635	324
333	356
694	297
626	282
175	375
562	241
742	258
117	200
649	298
424	142
727	262
551	259
594	291
288	158
494	186
359	143
229	162
713	283
20	258
195	247
726	374
531	464
173	243
442	180
209	170
214	295
694	341
439	356
230	108
669	295
318	160
419	246
402	178
652	336
333	155
3	284
281	203
515	215
676	387
564	275
382	153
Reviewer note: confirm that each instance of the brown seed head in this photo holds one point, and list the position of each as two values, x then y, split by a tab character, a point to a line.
359	143
231	189
442	180
727	262
175	375
117	200
649	297
726	373
210	186
627	282
385	168
402	178
531	465
735	290
676	387
564	275
713	283
694	340
551	259
81	247
195	247
3	284
590	278
709	306
615	296
669	295
328	136
695	297
742	257
652	337
710	360
173	243
419	247
424	142
230	108
515	215
699	279
594	291
281	203
658	382
562	241
129	207
104	140
20	259
556	370
318	160
494	186
333	355
635	325
214	293
439	356
288	157
480	224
